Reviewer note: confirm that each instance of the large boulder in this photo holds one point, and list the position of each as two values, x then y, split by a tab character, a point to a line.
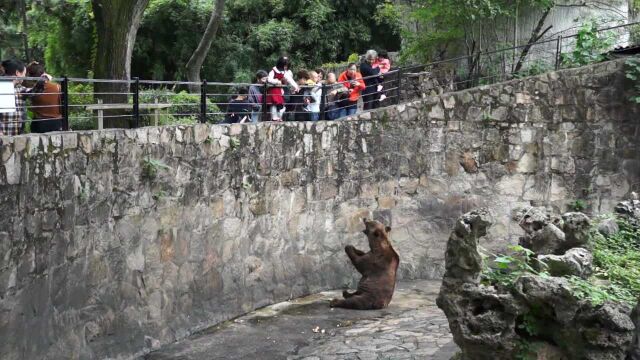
608	227
549	234
463	260
634	353
577	262
492	321
629	210
577	229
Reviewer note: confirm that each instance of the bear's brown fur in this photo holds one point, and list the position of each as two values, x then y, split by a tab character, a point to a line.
378	268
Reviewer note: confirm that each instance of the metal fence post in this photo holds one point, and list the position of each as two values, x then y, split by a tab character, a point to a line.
265	112
323	102
398	86
559	52
65	104
203	102
136	102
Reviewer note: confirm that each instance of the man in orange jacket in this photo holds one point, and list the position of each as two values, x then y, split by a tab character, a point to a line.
352	80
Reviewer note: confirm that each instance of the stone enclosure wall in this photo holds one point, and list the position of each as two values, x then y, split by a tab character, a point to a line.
115	242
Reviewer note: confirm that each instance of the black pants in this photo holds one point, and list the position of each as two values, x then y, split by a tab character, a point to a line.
41	126
370	98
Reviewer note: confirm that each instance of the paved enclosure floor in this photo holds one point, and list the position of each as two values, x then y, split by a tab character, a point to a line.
412	327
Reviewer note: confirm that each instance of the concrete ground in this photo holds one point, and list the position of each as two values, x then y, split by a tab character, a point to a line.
412	327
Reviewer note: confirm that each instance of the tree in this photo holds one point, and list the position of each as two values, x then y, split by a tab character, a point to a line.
117	23
199	55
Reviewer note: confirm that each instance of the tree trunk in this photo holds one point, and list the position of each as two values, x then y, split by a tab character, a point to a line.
25	30
117	23
200	54
536	35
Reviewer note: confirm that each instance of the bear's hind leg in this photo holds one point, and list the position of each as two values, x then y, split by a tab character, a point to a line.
346	294
357	302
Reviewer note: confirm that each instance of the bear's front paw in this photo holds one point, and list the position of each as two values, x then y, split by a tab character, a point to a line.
349	248
333	302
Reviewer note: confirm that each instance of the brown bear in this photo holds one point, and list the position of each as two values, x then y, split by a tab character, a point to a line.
378	268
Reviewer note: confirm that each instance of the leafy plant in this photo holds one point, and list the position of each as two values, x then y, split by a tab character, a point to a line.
536	67
353	58
578	205
506	269
185	108
632	72
150	168
616	259
590	46
235	143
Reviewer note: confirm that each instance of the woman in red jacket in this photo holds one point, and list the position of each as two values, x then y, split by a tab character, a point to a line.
352	80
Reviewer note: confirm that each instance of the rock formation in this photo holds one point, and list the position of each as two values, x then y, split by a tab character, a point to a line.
536	316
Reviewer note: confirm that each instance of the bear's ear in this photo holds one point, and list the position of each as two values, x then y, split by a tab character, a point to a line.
387	229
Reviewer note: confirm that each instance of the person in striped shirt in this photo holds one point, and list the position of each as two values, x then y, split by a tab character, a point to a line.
12	123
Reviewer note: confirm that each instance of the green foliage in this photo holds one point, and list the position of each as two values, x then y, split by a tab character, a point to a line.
597	293
536	67
590	46
578	205
151	167
62	33
443	25
353	58
80	95
255	33
632	72
504	270
616	260
185	107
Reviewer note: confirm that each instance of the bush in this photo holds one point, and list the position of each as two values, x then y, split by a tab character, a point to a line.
591	46
185	107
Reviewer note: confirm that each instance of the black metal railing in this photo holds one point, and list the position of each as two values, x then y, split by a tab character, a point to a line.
98	103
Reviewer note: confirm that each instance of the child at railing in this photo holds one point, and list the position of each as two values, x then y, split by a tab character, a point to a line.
280	75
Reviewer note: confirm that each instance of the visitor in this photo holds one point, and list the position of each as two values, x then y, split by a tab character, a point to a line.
256	93
352	80
46	106
302	98
322	75
371	78
315	95
337	95
239	108
12	123
279	76
384	64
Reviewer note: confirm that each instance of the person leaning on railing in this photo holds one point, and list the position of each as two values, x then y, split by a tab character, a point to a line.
336	98
12	123
352	80
371	78
46	105
256	92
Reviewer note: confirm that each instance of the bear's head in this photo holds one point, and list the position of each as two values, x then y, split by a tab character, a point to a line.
375	230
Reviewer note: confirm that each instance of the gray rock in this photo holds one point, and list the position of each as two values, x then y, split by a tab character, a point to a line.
576	228
577	261
629	210
634	351
463	261
608	228
490	322
548	240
